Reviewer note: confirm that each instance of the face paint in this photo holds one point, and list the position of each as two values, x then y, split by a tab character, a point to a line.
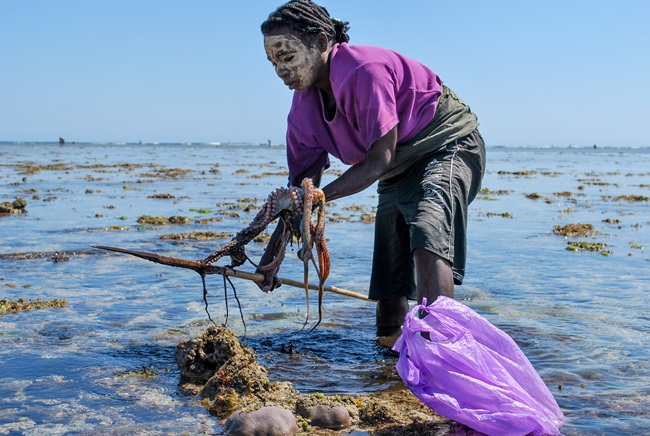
298	65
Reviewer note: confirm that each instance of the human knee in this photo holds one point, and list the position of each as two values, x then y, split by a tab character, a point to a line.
429	258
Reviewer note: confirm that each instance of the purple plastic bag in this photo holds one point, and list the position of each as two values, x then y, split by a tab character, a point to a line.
473	373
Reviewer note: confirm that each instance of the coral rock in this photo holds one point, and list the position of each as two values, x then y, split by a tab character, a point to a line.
199	358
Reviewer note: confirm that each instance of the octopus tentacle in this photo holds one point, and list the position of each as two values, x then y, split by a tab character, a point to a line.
308	203
314	233
279	251
259	223
319	237
294	206
280	199
309	194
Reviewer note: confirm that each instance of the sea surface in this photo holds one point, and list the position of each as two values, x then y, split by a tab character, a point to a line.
104	363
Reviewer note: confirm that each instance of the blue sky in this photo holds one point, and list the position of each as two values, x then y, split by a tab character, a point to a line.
536	72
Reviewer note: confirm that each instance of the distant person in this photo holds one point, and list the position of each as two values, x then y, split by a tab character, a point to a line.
391	119
61	140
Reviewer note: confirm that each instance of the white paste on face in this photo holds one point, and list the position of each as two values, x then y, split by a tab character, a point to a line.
297	64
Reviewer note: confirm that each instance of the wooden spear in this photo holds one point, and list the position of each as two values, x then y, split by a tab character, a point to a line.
213	269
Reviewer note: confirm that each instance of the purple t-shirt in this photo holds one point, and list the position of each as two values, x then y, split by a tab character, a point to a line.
375	90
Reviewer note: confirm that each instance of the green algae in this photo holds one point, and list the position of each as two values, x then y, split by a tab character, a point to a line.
588	246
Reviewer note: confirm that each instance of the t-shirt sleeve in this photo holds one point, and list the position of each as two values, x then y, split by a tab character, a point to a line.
303	158
367	99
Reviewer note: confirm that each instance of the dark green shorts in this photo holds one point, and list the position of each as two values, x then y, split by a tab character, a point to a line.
425	207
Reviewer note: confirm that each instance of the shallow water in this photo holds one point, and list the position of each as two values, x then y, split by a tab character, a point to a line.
580	317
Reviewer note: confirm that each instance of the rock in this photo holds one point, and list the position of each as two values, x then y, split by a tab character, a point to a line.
17	206
200	358
231	383
321	415
228	371
153	220
6	208
238	378
178	219
267	421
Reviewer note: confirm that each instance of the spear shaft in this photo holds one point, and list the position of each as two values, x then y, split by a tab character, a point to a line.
231	272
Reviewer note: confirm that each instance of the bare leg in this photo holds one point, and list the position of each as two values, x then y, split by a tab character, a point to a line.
390	318
433	275
390	313
434	278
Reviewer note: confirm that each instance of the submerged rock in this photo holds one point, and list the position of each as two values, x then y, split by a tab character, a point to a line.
575	230
153	219
10	306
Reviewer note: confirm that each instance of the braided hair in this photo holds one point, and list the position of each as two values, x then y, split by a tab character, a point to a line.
307	17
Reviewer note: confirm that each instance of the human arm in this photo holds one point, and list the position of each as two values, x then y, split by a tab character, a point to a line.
363	174
357	178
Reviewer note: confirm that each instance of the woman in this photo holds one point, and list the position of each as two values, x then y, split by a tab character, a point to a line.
391	119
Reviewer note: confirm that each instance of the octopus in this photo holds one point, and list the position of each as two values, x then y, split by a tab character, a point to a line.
294	206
